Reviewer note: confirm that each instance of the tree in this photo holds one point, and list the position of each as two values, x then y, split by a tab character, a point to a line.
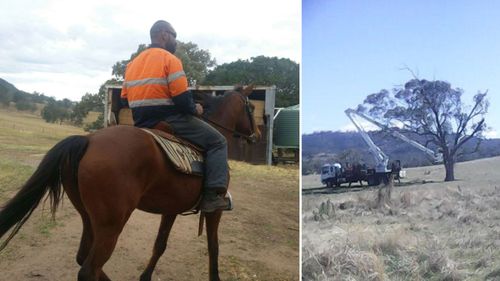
25	104
96	125
56	111
196	62
261	70
434	110
89	102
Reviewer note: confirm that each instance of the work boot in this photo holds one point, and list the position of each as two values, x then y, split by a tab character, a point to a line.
213	201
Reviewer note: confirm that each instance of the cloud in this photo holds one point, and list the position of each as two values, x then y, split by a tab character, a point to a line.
72	45
491	134
367	126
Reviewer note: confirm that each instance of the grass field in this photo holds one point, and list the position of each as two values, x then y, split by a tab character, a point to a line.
259	239
24	139
430	229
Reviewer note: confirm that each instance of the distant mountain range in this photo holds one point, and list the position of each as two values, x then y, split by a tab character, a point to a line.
9	93
327	147
6	88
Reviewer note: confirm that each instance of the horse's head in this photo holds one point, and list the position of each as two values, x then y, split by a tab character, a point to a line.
245	122
233	113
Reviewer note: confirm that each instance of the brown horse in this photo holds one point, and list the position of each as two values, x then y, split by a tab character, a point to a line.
110	173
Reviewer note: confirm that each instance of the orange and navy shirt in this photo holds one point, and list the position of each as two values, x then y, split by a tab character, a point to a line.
155	87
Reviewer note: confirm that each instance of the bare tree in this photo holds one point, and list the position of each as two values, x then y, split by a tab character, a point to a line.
434	110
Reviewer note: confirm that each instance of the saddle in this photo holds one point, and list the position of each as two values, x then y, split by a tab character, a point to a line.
185	156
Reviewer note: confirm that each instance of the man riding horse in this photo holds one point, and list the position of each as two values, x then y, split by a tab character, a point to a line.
155	88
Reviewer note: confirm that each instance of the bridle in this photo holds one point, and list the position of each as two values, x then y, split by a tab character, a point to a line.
249	112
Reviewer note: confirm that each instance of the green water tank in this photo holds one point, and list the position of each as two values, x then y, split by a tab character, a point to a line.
286	127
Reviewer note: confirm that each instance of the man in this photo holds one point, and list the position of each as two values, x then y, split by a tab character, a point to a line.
155	88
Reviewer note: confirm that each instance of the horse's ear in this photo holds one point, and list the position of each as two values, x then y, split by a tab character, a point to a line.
248	90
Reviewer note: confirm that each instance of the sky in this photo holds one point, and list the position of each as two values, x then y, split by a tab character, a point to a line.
353	48
67	48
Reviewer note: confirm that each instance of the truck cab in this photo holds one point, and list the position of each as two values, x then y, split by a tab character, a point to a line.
331	174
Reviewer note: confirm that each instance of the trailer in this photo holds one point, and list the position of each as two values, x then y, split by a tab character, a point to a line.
262	97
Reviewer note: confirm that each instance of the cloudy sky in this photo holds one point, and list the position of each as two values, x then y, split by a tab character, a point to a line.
353	48
67	48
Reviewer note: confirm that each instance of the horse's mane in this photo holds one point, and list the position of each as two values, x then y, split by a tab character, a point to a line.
211	104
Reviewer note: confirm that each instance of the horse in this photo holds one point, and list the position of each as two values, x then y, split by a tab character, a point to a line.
113	171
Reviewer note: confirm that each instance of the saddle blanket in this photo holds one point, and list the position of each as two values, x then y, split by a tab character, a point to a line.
184	157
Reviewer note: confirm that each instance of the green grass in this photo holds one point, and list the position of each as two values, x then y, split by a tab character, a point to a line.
12	177
46	224
24	139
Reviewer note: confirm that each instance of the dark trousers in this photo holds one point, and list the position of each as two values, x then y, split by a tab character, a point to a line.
214	143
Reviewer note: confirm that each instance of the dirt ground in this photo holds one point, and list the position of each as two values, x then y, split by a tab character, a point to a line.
258	239
430	230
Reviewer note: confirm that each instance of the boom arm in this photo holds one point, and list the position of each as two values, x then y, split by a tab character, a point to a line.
381	158
436	156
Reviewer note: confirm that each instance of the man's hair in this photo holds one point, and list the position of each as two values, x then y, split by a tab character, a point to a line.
158	27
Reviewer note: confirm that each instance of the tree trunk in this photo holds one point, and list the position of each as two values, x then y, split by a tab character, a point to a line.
449	165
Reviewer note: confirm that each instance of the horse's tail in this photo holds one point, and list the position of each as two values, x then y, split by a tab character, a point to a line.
47	178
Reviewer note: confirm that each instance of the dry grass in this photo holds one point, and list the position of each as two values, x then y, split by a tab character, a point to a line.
431	230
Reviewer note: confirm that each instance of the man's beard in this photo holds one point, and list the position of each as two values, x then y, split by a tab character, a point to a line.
171	48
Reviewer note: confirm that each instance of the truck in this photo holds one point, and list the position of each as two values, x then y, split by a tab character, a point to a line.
335	174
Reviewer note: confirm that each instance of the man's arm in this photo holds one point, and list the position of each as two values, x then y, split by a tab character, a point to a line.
124	96
184	103
178	87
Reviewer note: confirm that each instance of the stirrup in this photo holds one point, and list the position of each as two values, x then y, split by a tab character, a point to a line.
230	205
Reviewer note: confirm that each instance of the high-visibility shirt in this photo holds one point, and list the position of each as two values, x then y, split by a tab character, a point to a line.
155	86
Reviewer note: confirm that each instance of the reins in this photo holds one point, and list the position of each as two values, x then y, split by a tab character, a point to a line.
251	137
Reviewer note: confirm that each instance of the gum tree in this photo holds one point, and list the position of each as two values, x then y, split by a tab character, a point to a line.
433	110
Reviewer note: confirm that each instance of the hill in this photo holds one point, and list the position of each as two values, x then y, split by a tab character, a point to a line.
23	100
323	147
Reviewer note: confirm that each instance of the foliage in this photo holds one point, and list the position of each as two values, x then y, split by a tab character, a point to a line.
434	110
96	125
89	102
196	62
22	100
25	104
261	70
56	111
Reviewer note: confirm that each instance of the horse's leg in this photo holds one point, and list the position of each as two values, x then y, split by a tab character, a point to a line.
106	231
167	221
87	236
86	244
213	220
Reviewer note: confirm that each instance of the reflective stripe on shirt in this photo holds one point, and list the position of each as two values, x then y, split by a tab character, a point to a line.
176	75
150	102
147	81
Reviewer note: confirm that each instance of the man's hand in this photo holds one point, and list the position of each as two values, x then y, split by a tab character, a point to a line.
199	109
